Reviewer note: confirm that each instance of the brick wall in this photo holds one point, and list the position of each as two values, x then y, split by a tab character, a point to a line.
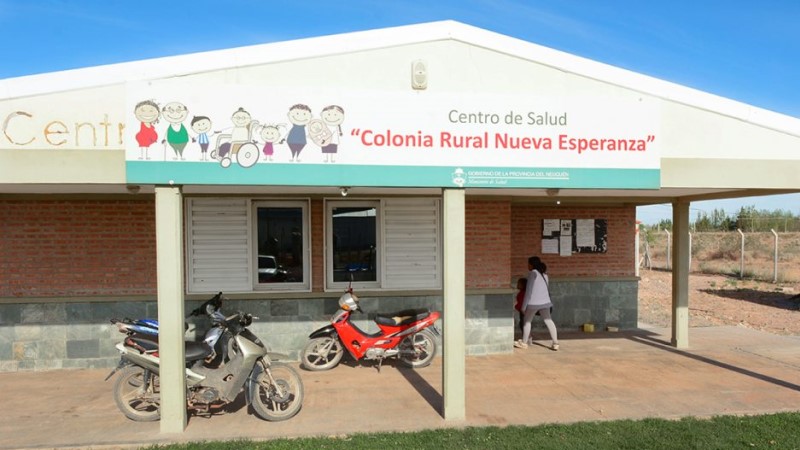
317	249
55	248
488	243
619	260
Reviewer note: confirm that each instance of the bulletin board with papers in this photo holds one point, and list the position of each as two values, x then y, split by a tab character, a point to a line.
567	236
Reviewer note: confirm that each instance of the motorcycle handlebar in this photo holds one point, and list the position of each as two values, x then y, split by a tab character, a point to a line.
212	308
215	302
232	317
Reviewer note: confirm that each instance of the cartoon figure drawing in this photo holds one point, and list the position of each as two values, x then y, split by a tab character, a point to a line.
319	133
241	126
299	116
238	143
177	135
270	134
333	116
201	125
147	113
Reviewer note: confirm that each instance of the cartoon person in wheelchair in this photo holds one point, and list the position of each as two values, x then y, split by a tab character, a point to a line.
239	143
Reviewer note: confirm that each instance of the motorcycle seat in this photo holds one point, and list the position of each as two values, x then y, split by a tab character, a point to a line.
148	343
403	317
143	342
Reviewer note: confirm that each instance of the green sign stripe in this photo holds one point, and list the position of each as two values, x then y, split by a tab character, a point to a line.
282	174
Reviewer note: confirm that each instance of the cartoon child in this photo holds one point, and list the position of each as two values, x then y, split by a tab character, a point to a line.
299	116
201	125
270	134
177	135
333	116
147	113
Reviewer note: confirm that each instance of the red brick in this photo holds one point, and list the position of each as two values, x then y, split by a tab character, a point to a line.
77	248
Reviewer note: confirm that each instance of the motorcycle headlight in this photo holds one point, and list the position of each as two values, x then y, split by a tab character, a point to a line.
246	320
348	302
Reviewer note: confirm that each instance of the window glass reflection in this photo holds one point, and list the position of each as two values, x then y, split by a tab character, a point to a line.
354	243
280	245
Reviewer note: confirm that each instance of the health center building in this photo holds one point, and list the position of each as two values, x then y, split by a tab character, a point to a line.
427	162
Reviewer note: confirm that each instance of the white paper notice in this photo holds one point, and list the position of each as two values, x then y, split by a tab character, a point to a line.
584	233
566	228
566	246
550	226
550	246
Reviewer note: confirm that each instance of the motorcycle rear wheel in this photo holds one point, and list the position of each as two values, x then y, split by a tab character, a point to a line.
277	393
417	350
322	353
136	397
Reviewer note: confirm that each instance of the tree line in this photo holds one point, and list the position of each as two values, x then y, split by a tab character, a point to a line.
748	219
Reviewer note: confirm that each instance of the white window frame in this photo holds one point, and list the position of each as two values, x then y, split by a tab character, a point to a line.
247	230
304	206
330	204
433	258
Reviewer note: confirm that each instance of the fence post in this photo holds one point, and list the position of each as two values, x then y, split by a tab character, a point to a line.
690	252
669	249
636	244
775	272
741	268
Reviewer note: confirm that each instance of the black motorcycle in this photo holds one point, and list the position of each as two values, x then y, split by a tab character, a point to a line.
230	358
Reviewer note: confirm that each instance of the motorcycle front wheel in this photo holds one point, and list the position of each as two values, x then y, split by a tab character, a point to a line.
277	393
418	350
322	353
137	393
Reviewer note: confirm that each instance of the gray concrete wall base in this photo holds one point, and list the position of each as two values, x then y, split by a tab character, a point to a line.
601	303
38	337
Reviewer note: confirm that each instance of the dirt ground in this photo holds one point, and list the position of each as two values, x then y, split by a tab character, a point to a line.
722	300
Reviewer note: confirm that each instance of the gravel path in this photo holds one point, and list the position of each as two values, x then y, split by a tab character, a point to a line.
720	300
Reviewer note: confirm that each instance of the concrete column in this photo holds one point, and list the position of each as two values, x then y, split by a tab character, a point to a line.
454	373
680	274
169	263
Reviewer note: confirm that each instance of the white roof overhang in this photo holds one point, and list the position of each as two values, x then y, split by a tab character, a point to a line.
683	176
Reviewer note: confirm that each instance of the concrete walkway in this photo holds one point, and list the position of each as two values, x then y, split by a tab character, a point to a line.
599	376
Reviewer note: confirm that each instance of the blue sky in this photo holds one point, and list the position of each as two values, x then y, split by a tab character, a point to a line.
744	50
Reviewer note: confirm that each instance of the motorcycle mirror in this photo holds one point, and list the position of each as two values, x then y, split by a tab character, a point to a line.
213	304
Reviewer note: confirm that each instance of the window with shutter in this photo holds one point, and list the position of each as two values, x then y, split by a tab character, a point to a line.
218	245
412	241
246	245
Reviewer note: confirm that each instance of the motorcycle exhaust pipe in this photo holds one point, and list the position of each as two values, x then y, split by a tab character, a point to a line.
145	361
152	364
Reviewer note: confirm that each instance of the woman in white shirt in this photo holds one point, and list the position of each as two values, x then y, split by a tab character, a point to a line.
537	300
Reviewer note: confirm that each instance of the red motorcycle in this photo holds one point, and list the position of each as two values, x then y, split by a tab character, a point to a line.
409	335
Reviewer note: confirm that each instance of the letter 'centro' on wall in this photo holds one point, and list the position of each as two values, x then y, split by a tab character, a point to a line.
235	134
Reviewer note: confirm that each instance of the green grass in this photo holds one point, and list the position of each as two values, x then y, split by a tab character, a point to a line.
775	431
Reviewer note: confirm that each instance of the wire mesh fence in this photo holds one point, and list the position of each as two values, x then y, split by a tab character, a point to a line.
742	255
